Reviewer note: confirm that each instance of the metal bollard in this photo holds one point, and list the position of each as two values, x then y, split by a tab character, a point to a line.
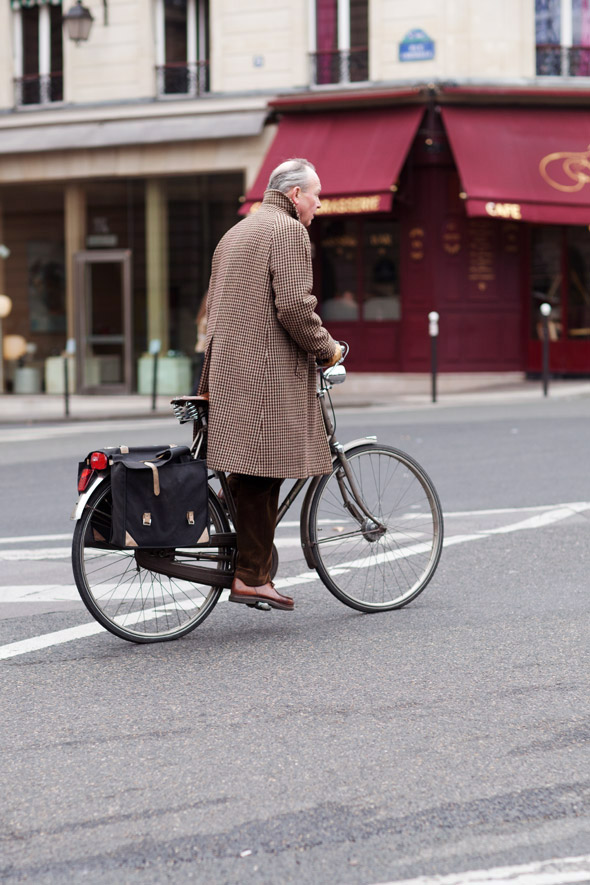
433	318
154	349
545	313
70	351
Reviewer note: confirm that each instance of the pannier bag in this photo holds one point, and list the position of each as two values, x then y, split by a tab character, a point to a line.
159	497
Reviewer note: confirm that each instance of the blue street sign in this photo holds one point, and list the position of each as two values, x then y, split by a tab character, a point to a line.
416	46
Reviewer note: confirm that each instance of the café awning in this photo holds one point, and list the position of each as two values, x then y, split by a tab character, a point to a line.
358	155
529	164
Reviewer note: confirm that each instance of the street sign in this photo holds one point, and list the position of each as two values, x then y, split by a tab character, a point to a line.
416	46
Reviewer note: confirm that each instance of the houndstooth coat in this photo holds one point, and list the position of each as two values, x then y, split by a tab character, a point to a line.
263	337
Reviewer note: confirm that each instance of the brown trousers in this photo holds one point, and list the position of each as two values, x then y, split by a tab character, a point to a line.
257	504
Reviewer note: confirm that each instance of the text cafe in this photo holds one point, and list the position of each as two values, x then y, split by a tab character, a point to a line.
470	203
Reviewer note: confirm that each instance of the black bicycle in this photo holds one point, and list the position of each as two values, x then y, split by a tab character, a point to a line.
372	530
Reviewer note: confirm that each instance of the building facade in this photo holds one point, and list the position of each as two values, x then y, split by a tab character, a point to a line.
451	137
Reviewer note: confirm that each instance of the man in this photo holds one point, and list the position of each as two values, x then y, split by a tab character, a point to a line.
263	340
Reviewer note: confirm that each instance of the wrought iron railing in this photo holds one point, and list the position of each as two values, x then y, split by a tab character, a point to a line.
563	61
183	78
38	89
340	66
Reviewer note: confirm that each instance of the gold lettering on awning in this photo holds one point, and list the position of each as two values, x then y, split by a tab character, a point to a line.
504	210
575	165
349	205
340	205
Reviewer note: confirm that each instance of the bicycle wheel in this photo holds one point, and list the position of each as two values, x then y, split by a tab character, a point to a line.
368	568
133	602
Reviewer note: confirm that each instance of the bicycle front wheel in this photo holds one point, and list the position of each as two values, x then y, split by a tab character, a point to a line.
367	567
130	601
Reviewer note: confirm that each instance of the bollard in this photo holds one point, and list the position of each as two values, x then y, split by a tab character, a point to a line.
154	349
545	313
66	386
433	318
70	351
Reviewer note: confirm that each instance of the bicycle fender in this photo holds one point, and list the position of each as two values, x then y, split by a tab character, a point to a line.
306	506
84	497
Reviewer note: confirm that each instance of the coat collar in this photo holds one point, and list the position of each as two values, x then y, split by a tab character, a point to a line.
280	201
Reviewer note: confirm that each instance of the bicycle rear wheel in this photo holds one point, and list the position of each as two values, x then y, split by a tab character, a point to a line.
368	568
130	601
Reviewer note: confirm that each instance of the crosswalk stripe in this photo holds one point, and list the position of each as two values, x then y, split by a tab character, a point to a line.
558	871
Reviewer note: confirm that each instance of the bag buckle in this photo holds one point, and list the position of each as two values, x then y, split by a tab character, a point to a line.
147	518
190	517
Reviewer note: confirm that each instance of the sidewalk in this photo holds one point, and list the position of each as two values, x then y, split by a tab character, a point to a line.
359	389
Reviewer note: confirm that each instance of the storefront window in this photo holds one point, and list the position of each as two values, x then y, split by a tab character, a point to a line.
381	289
340	289
546	279
359	260
578	297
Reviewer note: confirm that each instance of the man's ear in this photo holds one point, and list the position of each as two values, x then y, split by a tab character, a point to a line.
295	192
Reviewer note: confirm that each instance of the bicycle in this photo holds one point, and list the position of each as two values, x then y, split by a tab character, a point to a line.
372	530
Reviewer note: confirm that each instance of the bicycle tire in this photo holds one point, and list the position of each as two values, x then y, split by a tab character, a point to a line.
364	568
130	601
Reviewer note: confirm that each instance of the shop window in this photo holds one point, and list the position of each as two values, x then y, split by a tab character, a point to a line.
546	279
562	31
358	270
341	53
560	276
37	52
578	278
182	47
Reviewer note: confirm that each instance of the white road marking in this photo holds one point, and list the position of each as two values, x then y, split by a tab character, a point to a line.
552	514
39	432
559	871
27	539
22	553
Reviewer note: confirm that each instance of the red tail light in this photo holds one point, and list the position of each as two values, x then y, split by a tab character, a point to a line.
98	461
84	479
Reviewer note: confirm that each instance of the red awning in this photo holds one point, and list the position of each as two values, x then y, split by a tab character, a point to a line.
358	155
523	163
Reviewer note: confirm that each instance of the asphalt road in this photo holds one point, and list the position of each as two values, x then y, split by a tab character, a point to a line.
320	746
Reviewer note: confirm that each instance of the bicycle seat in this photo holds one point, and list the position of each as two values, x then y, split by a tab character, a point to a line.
184	400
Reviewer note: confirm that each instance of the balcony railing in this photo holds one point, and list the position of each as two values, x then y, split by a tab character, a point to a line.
38	89
340	66
563	61
182	78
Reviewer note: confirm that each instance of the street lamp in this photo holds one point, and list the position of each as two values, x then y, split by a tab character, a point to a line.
5	308
77	22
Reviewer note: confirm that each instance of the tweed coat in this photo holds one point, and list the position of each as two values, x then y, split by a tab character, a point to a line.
263	337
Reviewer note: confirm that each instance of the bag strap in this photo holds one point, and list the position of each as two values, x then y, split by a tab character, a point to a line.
156	476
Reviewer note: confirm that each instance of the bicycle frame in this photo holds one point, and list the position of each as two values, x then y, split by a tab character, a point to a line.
160	562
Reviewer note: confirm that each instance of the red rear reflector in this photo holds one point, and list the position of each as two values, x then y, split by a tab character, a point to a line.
98	461
84	479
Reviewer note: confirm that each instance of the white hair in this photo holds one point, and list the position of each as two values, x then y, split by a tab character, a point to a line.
292	173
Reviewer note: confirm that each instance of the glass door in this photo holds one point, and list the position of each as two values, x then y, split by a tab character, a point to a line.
104	335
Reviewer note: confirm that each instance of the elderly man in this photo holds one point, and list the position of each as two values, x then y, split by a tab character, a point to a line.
263	340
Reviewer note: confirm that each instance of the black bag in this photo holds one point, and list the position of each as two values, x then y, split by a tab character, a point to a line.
159	497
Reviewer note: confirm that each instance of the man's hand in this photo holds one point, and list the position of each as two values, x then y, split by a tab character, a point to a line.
337	356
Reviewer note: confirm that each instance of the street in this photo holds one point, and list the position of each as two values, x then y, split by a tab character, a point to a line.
320	746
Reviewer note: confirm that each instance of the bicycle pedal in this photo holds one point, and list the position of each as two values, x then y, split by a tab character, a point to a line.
261	606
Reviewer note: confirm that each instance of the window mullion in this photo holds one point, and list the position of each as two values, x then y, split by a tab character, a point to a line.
44	54
344	39
343	25
160	47
566	35
17	31
191	46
